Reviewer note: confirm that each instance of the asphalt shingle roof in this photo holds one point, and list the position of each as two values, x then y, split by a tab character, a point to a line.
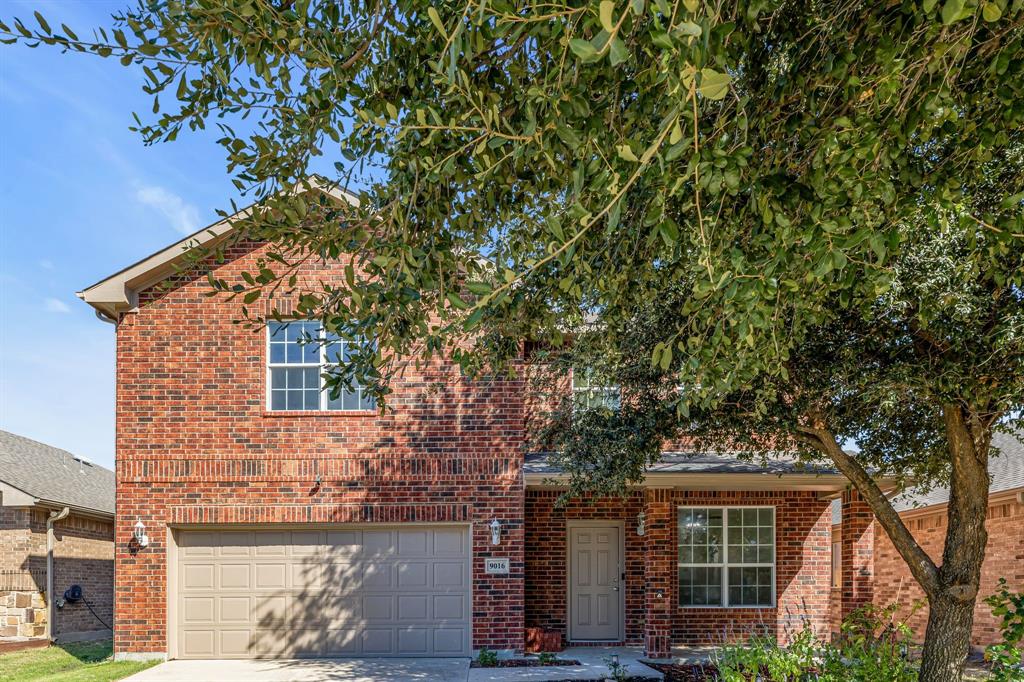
54	475
1006	470
698	463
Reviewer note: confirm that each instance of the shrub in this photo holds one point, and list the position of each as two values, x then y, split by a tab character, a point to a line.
872	647
547	658
487	658
1006	656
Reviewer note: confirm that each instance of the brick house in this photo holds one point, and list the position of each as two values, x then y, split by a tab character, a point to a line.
56	530
925	516
282	522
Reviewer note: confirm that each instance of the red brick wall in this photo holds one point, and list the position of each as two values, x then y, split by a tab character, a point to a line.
546	570
803	547
196	445
1004	558
83	555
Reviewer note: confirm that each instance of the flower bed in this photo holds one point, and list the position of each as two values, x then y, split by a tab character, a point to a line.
525	663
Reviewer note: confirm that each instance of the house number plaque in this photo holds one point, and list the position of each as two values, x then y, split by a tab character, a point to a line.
496	566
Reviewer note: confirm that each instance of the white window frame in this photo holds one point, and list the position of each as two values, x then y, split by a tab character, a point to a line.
321	365
593	392
725	565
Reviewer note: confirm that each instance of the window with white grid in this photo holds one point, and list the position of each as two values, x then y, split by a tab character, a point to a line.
589	391
727	556
299	355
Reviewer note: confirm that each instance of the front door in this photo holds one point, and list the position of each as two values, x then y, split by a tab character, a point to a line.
595	585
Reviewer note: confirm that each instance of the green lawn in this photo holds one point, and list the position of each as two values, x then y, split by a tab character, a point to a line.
75	662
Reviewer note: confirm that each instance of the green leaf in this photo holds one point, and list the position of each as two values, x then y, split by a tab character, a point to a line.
951	11
626	152
435	19
691	5
457	301
607	20
928	6
479	288
617	53
583	49
991	11
714	85
42	23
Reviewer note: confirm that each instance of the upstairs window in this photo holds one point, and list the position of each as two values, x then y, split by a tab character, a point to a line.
589	391
299	355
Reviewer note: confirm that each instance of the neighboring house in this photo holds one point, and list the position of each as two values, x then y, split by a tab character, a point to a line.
925	516
279	522
53	501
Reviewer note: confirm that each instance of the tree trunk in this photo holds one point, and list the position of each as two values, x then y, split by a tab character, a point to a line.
948	639
951	603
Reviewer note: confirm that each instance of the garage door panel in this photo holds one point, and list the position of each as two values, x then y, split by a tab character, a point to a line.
199	610
390	591
235	643
234	576
269	576
450	575
235	610
198	576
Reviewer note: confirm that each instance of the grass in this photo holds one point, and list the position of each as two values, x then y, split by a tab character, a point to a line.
72	662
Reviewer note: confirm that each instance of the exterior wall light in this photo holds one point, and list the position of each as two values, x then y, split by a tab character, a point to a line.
140	534
495	532
641	523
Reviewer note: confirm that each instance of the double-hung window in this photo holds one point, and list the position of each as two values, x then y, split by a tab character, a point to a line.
727	556
299	355
589	391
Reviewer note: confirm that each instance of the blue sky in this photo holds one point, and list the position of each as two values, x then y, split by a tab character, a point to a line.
80	198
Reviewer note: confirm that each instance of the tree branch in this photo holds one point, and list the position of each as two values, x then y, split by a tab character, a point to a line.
921	565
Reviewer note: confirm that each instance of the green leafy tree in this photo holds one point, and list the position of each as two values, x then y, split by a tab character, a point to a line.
808	215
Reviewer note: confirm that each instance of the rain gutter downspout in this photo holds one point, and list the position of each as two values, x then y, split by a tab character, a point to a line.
51	603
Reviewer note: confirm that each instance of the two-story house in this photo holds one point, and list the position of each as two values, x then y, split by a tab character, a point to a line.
258	517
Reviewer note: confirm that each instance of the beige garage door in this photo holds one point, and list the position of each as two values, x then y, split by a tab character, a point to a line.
381	591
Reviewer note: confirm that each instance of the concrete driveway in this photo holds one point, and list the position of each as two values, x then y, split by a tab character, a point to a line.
302	670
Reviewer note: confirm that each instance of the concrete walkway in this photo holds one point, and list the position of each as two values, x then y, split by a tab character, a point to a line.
593	667
310	670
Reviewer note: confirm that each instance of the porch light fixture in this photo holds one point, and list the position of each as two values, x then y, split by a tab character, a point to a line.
495	532
641	523
140	534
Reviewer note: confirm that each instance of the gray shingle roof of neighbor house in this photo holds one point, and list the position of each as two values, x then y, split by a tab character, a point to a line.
55	476
1006	471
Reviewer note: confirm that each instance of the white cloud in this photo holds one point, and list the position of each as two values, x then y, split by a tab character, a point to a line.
55	305
183	216
46	264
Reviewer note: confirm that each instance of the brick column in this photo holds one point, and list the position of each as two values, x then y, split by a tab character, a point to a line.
659	564
858	544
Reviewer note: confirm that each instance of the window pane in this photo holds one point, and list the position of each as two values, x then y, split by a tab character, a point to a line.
277	400
750	586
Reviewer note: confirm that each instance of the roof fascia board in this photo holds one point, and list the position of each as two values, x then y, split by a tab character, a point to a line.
76	509
1000	497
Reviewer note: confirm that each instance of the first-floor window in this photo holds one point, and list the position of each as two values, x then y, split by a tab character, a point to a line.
726	556
300	354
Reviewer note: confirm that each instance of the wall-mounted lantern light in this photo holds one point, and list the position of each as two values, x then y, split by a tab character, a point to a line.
140	534
641	523
495	532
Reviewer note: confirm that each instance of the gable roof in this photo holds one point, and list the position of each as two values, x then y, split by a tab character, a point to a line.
1005	470
55	477
119	292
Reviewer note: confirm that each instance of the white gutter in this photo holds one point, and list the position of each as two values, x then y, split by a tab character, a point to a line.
51	603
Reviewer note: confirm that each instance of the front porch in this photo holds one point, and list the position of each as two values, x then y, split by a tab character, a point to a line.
756	558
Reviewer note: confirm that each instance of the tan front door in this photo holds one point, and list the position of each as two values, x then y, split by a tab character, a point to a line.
595	589
343	591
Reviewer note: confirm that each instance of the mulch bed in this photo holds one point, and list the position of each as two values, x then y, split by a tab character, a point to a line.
526	663
688	672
